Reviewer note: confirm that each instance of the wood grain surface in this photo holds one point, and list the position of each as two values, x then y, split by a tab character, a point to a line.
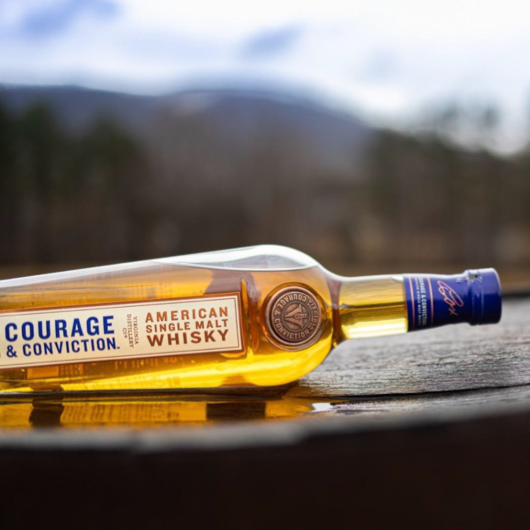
460	357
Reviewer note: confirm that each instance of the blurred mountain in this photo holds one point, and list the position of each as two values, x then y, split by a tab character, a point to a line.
95	176
78	108
176	173
231	123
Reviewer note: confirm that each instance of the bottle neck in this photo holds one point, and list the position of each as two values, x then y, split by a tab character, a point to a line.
371	306
387	305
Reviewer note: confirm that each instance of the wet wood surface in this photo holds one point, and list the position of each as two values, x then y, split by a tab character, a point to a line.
451	358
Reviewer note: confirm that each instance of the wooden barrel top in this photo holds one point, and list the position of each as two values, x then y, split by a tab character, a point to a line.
427	430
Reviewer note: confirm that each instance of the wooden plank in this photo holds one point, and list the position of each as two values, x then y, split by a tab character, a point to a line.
452	358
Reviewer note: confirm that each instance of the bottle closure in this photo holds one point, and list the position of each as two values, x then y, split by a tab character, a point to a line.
436	300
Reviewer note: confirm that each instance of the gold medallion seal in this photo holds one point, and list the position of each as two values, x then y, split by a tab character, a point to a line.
293	316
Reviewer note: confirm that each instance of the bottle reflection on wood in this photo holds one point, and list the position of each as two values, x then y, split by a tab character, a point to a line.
139	413
255	317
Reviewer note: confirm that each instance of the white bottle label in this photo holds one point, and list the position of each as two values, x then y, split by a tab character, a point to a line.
206	324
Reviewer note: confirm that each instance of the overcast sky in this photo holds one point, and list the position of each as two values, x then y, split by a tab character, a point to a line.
386	58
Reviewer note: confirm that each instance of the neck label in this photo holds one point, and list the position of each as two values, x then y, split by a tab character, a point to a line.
436	300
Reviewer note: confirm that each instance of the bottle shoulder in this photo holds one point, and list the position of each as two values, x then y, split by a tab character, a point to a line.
256	258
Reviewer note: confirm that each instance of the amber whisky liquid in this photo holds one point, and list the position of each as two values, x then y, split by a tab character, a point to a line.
33	411
287	314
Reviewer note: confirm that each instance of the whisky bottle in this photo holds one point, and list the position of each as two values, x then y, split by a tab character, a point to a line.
251	317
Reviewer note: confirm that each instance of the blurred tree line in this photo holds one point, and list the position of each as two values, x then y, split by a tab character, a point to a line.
102	195
65	198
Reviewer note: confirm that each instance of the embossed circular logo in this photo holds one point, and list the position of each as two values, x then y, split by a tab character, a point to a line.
293	316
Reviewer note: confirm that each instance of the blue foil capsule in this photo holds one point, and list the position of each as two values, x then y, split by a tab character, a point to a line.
435	300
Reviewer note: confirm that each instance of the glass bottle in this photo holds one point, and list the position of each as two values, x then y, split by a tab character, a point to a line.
250	317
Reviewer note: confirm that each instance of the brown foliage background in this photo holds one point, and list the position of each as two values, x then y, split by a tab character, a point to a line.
114	191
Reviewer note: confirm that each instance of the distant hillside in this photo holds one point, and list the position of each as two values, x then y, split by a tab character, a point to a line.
77	107
232	122
96	176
